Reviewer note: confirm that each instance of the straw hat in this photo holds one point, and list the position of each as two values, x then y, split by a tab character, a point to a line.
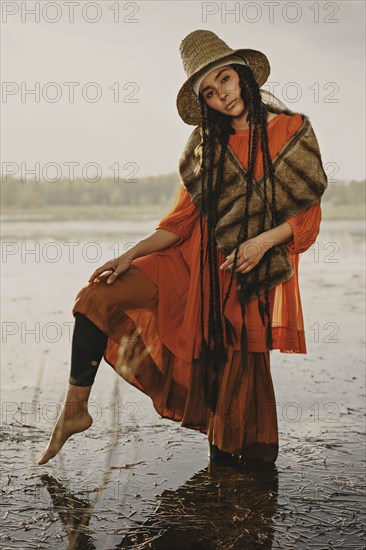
198	50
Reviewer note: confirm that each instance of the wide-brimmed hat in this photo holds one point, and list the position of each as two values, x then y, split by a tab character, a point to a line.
198	50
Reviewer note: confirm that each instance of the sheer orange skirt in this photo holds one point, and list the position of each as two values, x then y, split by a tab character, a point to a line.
245	421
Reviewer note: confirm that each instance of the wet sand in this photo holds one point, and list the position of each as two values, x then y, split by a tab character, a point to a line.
157	488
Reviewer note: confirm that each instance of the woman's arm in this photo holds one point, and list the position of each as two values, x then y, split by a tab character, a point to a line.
252	251
305	228
173	228
160	238
297	233
277	235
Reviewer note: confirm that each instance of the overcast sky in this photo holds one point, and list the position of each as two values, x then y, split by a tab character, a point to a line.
319	46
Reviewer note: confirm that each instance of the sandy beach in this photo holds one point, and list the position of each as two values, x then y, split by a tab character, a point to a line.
135	480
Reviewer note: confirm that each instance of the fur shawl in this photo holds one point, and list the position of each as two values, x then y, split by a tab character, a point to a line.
300	181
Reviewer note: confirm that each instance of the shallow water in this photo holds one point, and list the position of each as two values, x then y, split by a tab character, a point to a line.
160	491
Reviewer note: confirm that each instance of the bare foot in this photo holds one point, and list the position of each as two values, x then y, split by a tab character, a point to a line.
74	418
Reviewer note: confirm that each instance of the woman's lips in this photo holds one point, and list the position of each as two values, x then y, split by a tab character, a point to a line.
231	104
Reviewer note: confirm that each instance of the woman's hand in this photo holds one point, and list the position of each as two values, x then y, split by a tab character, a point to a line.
249	255
116	267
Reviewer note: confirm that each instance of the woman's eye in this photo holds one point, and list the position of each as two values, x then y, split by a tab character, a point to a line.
209	94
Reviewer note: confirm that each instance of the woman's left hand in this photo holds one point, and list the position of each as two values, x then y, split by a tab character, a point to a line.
249	255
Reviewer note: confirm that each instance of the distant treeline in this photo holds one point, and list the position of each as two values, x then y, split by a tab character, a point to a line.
156	190
150	190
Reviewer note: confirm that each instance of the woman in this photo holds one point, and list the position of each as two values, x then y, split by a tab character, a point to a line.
191	312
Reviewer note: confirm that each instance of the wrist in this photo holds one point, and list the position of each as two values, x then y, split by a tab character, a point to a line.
276	235
130	254
265	240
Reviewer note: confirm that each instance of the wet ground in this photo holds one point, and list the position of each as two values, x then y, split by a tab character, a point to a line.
134	480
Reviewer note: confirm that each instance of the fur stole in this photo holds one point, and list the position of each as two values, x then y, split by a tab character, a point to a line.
300	181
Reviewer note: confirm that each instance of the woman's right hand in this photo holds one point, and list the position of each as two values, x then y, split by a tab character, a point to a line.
116	267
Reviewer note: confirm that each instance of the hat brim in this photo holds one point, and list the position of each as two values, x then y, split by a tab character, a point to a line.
187	101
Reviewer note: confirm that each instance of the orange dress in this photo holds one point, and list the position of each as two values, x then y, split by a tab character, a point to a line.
160	294
176	269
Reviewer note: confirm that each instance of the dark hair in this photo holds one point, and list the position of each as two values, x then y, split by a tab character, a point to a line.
218	125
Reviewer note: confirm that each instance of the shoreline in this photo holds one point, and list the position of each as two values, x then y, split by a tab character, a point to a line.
139	213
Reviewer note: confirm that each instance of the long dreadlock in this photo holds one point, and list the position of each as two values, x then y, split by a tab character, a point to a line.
215	124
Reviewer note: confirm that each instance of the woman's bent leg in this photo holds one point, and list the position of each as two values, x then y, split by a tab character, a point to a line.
88	346
105	304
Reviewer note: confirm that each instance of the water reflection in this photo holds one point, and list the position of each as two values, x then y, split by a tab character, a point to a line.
74	513
219	507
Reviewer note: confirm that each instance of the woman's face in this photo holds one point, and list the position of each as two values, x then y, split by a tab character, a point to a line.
221	91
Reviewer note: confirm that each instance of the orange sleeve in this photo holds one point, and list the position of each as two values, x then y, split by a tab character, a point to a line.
305	227
182	217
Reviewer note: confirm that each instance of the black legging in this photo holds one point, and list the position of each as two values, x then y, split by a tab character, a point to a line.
87	350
